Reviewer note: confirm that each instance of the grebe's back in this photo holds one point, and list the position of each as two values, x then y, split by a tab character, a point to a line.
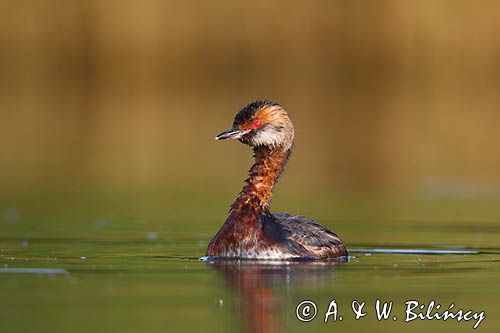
315	237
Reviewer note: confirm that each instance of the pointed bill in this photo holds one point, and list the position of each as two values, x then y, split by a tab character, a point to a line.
232	133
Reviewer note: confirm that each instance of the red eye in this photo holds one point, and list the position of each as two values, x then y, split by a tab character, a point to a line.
257	123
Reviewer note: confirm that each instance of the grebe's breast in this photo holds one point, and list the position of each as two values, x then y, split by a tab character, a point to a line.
275	236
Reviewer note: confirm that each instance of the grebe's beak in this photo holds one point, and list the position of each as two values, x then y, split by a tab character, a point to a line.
232	133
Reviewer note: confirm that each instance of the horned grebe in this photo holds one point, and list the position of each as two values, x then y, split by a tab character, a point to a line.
251	230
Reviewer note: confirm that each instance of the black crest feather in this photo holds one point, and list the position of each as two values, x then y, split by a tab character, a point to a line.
248	111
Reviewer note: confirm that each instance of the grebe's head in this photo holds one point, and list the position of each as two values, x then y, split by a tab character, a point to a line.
261	123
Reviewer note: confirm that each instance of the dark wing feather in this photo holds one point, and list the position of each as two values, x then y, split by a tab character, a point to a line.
315	237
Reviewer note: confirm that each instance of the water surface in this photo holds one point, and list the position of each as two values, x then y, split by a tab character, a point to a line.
126	271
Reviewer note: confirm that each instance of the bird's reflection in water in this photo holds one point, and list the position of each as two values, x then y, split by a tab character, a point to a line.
253	281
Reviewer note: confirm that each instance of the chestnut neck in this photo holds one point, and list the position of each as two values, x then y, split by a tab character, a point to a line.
256	195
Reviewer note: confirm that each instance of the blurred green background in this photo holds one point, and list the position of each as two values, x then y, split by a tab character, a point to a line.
388	96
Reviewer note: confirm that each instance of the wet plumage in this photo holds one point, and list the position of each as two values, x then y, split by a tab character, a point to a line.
251	230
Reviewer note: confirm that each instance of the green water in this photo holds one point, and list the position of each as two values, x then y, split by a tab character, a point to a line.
129	264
